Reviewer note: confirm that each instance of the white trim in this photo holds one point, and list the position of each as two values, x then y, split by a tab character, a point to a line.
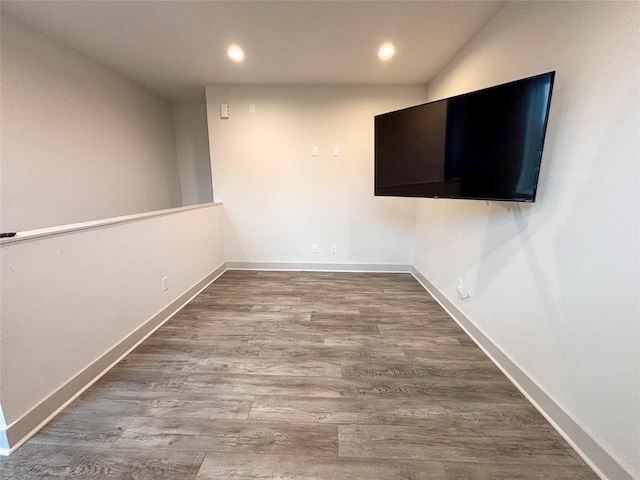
322	267
75	227
44	411
602	463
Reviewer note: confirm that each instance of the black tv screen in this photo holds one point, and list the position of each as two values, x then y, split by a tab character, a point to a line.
484	145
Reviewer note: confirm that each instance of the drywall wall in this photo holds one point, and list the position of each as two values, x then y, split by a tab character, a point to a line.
555	284
280	200
69	299
79	142
192	140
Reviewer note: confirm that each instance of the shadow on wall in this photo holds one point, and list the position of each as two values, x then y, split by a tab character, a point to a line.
506	221
505	214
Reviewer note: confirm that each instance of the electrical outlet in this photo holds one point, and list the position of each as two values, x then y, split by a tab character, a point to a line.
165	284
460	289
334	249
314	248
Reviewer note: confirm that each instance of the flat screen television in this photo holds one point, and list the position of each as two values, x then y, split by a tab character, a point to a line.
484	145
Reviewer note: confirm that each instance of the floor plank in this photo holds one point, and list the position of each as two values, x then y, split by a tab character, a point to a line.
129	464
348	411
229	436
297	467
447	443
166	404
284	385
33	461
493	471
82	430
252	366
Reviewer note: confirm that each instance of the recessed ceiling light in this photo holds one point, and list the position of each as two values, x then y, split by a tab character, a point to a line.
386	51
235	53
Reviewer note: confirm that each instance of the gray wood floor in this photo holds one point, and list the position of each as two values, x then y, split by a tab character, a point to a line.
300	375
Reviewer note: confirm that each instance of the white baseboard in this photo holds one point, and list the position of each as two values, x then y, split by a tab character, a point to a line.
602	463
44	411
596	457
322	267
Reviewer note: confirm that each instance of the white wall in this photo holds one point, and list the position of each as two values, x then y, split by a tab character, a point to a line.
192	140
68	299
280	200
79	142
555	284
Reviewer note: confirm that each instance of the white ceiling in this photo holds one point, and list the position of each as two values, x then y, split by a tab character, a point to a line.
176	47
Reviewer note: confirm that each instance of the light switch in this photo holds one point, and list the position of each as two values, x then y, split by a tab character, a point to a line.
336	151
224	110
252	108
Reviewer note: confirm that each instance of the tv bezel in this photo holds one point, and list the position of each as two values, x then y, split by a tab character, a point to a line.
443	183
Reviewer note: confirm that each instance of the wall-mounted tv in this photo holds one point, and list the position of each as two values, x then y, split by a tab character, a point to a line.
484	145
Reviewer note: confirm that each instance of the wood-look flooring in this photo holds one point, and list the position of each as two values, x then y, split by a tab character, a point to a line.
302	375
